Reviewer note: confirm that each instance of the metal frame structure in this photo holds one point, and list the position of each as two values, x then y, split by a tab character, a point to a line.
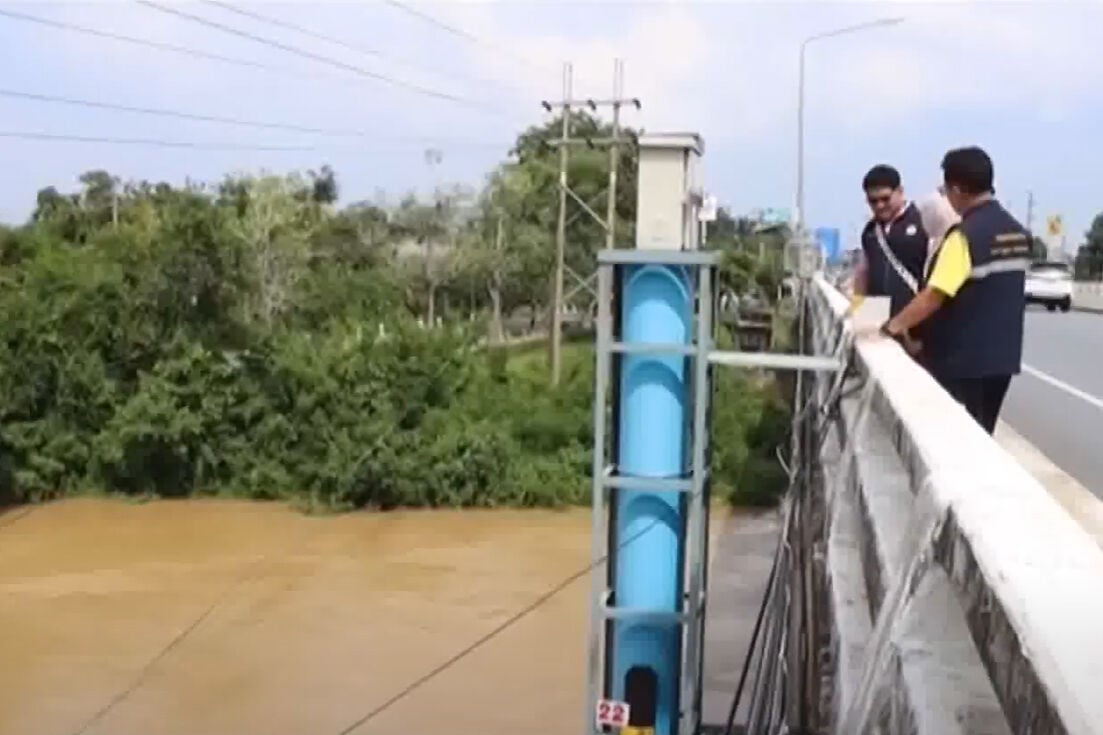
694	482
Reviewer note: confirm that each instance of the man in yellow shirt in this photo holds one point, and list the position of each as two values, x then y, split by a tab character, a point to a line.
972	304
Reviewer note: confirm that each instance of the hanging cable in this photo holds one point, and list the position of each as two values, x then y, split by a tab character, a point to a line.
147	43
201	117
492	634
823	412
342	43
466	35
194	145
393	81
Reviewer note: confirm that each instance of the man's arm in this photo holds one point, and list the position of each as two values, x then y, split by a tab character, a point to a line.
950	272
861	276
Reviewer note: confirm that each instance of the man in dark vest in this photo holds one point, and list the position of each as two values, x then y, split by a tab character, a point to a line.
972	306
894	244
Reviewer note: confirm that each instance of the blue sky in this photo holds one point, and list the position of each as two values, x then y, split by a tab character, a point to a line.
1021	79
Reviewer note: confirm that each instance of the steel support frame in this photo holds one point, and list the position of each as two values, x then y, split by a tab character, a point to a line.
694	484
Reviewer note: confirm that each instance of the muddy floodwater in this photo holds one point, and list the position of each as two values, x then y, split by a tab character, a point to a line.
227	618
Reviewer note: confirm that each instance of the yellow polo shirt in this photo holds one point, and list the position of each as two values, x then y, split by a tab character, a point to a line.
952	265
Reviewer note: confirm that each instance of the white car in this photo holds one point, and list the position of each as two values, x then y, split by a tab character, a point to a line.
1050	284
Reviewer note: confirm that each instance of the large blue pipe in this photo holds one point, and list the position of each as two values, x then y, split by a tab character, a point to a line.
656	307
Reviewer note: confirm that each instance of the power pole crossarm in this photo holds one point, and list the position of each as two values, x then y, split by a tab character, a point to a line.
564	143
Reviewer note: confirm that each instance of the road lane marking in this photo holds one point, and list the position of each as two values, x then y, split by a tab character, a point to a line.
1062	385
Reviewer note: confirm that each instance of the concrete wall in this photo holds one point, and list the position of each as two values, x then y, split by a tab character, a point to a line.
955	594
1088	295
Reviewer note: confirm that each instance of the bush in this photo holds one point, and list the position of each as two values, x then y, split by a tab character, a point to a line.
193	351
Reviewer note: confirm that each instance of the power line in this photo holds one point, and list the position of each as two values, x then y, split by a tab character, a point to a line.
154	142
201	117
426	91
214	146
461	33
338	41
196	53
502	627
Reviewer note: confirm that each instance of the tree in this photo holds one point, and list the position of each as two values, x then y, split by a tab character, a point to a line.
274	226
1089	257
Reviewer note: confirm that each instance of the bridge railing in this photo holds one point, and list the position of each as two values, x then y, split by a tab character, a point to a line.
1088	295
954	594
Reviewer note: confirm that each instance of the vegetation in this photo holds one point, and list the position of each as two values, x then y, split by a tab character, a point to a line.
249	338
1089	258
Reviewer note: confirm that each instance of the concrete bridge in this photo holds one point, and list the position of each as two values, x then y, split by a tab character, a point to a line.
928	583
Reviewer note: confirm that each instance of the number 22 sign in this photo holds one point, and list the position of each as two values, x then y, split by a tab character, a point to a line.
612	714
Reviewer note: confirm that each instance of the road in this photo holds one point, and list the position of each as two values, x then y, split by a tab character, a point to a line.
1057	403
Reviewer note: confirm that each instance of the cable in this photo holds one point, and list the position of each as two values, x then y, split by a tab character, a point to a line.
494	633
461	33
15	516
160	143
825	409
153	142
173	48
334	40
183	115
313	56
251	572
27	135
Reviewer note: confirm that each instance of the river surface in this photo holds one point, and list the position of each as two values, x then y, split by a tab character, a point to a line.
229	618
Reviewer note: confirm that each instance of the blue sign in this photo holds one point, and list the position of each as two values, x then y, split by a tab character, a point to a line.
828	240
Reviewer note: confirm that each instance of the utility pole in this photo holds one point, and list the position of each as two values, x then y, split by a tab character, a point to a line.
433	157
609	222
1030	212
614	157
560	232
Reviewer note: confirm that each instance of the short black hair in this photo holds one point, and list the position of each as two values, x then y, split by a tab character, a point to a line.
969	169
881	176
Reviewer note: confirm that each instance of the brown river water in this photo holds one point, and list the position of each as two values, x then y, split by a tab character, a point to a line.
229	618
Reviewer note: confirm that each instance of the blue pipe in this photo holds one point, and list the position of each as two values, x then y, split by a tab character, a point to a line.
649	535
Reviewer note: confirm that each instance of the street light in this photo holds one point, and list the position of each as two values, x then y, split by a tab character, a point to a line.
800	98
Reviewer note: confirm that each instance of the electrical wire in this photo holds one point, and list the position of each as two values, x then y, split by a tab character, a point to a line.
14	516
492	634
195	145
147	43
202	117
339	42
826	409
461	33
153	142
320	58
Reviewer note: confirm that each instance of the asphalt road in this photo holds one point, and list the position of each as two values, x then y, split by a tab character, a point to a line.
1057	402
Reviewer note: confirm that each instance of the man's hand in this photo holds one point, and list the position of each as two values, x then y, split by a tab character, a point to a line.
855	304
912	346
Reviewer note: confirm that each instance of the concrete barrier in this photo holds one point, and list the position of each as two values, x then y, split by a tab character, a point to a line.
1087	295
957	595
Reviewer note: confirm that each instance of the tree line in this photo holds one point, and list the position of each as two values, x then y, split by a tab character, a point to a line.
249	337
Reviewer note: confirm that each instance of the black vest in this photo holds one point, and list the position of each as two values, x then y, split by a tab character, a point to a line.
979	332
907	240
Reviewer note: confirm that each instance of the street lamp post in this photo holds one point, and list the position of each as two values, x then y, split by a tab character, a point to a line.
800	98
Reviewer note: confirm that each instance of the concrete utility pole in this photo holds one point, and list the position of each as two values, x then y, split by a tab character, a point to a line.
609	222
1030	212
561	232
433	157
614	157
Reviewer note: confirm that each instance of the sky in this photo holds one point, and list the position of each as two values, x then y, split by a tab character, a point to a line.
1020	79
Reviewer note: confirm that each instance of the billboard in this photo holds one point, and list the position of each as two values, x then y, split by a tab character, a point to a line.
828	239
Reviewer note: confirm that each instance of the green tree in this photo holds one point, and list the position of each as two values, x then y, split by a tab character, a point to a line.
1089	257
